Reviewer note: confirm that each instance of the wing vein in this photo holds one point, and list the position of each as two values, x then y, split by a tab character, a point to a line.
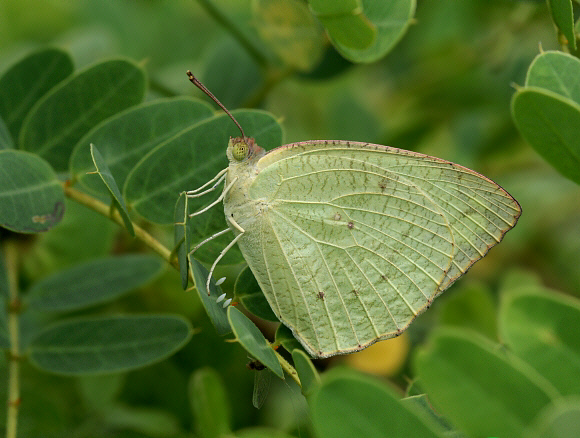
299	285
359	299
396	289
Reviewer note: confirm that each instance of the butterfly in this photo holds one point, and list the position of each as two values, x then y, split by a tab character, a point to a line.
350	241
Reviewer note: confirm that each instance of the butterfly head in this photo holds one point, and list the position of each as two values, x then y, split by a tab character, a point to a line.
242	149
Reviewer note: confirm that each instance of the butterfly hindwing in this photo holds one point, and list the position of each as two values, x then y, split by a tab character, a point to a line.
354	240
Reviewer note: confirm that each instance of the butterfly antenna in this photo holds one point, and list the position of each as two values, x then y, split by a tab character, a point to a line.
202	87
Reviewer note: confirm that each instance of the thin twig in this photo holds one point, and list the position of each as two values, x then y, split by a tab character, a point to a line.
105	210
11	255
232	27
288	368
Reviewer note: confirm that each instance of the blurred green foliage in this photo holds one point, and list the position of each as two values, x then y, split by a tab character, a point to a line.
501	345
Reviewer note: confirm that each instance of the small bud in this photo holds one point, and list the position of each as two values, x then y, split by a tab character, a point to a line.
220	281
221	298
227	302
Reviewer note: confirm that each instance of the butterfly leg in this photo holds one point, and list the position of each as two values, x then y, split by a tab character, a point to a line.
194	194
236	225
219	177
217	201
225	250
199	245
219	257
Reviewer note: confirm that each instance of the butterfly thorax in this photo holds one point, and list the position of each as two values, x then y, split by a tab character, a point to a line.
237	203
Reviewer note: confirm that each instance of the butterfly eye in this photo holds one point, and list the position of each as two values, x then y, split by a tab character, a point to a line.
240	151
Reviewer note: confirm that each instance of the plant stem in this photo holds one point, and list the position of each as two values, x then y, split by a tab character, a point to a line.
290	370
14	331
105	210
152	243
233	28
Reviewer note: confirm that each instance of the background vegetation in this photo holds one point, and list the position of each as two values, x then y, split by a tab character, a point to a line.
101	339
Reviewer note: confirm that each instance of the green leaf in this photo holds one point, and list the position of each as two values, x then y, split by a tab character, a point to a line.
309	378
559	420
94	282
345	22
391	19
216	312
286	339
125	138
291	31
57	122
563	17
104	172
209	402
108	344
556	71
6	141
31	196
182	238
471	307
542	328
421	403
414	388
248	292
252	339
188	160
551	124
23	84
353	405
350	32
460	371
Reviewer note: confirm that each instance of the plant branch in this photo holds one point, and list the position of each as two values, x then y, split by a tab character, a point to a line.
232	27
11	256
290	370
105	210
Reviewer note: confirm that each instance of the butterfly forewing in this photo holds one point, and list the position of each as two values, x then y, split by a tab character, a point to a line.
354	240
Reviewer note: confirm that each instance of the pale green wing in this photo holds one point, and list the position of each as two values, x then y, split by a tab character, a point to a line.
356	239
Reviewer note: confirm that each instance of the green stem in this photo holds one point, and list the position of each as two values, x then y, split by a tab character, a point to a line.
105	210
14	331
232	27
564	43
290	370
